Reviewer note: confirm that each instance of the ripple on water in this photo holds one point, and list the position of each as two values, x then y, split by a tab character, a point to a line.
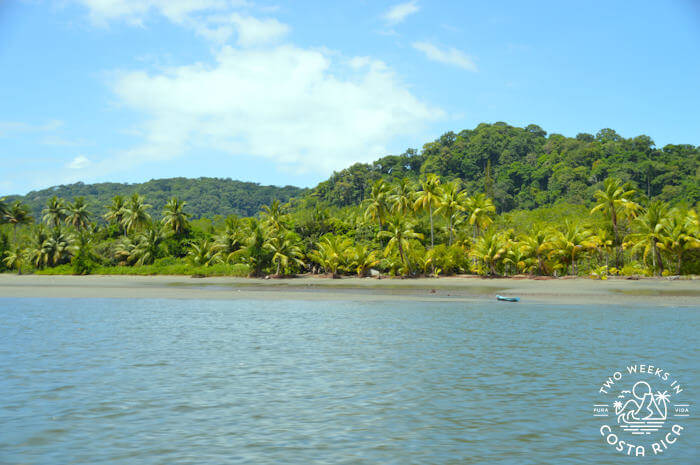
158	381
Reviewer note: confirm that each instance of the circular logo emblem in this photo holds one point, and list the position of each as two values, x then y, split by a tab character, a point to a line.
641	410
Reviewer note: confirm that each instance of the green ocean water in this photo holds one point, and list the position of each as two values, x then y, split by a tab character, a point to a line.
187	382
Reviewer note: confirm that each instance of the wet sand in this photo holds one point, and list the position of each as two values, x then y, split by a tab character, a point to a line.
643	292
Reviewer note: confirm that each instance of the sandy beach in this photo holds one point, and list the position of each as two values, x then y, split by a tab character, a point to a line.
657	292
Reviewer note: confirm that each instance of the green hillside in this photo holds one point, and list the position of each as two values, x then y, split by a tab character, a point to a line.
205	197
524	168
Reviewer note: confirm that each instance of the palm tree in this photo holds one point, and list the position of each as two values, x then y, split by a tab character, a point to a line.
36	252
378	202
479	210
135	213
255	253
363	258
537	245
401	199
284	251
149	245
14	259
331	253
83	256
124	251
272	217
115	211
677	238
650	232
203	253
571	243
603	242
17	214
175	218
615	202
229	241
57	247
77	213
428	198
451	205
399	232
489	249
55	212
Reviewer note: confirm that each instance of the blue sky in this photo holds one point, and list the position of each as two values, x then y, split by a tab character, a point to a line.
286	92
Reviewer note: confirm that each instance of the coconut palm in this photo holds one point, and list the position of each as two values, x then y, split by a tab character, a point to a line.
254	253
650	232
149	245
229	240
488	251
14	258
603	242
451	205
428	198
536	245
115	211
55	212
83	256
399	232
135	214
35	251
615	201
363	258
17	214
570	243
479	209
77	214
56	249
677	238
377	205
284	252
124	251
331	253
401	199
203	253
273	217
175	218
515	256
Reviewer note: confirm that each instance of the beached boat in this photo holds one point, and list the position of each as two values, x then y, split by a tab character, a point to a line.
508	299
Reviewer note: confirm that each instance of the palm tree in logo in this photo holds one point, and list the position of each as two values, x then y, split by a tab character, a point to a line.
618	410
662	398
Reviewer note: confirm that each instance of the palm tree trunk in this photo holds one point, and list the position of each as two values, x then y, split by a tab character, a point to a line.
657	257
430	211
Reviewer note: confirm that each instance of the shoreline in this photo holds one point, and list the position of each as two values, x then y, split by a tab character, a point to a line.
565	291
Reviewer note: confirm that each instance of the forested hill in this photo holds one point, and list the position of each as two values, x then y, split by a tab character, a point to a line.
524	168
205	197
520	168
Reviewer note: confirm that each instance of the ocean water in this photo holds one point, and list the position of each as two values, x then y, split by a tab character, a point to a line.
188	382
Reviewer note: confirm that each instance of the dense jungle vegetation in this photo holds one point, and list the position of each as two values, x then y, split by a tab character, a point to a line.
496	200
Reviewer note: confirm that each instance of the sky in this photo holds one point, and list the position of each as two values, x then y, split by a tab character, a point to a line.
282	92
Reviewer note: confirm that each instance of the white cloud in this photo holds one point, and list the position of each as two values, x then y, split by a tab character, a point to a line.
304	110
8	128
450	56
249	31
79	162
136	11
398	13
